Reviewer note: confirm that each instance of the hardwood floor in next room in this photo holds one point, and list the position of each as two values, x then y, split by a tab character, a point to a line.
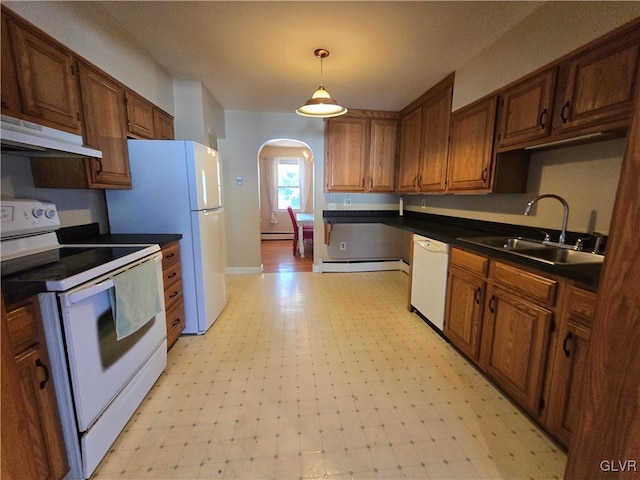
277	256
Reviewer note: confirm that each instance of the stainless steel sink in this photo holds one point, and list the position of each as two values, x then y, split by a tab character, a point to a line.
506	243
536	250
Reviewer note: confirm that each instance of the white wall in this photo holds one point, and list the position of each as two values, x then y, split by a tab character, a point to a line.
247	132
198	115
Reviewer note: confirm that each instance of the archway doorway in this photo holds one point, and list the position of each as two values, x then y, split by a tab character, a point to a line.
286	180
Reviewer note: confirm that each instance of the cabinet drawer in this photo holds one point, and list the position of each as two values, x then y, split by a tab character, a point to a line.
581	305
22	328
171	274
531	285
172	293
170	254
469	261
175	323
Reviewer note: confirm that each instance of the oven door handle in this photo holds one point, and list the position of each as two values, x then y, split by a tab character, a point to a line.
83	294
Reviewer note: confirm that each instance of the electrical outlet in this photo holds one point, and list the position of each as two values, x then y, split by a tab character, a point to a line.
332	206
347	202
343	246
423	203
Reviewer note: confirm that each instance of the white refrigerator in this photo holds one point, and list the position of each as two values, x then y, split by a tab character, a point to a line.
177	188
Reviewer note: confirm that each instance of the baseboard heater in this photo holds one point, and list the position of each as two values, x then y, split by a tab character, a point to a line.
364	265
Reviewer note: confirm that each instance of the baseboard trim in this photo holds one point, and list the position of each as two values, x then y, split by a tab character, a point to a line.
361	265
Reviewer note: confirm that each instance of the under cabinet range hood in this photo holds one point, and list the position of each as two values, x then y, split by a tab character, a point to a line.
20	137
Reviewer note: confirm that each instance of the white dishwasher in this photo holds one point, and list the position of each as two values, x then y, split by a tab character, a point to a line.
429	279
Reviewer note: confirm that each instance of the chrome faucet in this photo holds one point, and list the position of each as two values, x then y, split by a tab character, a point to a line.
565	217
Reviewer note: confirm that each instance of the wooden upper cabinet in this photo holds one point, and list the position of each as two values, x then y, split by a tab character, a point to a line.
140	118
9	92
360	149
105	128
409	157
381	173
525	110
471	147
45	73
424	141
599	84
436	120
163	125
346	150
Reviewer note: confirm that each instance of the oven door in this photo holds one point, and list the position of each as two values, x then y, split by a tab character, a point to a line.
101	366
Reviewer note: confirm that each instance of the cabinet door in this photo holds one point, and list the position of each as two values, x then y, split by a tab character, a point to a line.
599	85
346	149
382	155
569	362
105	129
163	125
525	110
139	116
515	344
9	91
465	301
32	441
47	81
471	147
409	157
436	119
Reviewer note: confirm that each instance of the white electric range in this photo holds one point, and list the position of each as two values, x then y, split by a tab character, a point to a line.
99	380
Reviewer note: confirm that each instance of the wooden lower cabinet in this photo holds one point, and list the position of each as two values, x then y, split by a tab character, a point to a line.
32	441
527	331
466	288
516	335
173	300
569	362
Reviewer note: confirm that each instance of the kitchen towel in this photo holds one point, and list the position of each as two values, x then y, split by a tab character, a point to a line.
134	298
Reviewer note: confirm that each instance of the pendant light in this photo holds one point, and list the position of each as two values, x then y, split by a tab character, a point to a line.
321	105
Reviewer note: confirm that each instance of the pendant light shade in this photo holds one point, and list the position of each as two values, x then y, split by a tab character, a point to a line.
321	104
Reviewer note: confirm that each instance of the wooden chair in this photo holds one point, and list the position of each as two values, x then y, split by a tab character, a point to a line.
307	231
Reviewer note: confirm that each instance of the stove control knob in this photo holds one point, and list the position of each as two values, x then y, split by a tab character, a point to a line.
50	213
37	212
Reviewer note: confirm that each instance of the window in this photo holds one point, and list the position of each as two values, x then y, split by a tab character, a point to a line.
288	184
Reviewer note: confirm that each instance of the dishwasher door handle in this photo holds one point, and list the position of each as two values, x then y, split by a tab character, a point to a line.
431	247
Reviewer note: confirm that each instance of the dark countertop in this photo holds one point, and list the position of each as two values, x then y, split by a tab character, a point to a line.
16	291
451	229
162	239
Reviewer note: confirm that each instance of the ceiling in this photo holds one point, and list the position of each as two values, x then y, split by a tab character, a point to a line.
258	56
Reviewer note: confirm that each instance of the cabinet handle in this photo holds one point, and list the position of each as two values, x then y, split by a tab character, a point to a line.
171	275
543	119
171	255
564	112
484	174
492	304
99	171
371	184
176	322
174	294
476	295
567	352
46	373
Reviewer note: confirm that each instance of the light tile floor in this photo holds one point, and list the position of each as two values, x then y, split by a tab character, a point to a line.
310	375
